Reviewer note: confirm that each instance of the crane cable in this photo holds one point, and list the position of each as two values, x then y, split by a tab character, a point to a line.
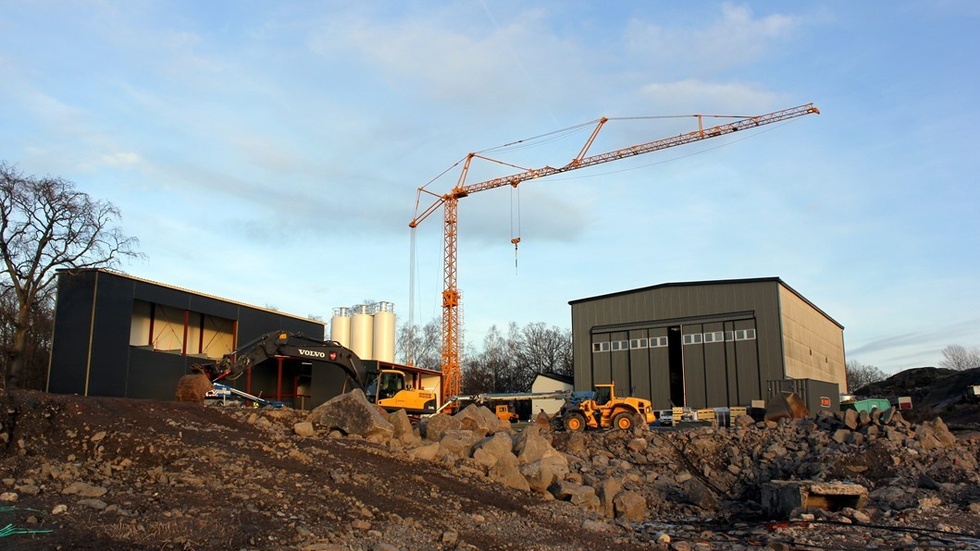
515	239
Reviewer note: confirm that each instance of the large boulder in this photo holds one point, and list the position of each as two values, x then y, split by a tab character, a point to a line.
532	445
492	448
630	505
545	472
403	431
352	414
608	488
934	434
479	420
427	452
460	442
434	427
506	471
577	494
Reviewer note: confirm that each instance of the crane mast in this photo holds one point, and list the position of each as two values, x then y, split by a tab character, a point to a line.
451	324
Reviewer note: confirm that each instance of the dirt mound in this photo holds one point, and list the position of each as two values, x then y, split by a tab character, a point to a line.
935	392
118	474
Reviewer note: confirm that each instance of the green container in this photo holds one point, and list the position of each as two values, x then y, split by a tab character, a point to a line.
867	405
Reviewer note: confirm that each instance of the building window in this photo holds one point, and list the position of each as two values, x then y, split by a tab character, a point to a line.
716	336
658	342
729	335
620	345
167	329
600	347
693	338
638	343
745	334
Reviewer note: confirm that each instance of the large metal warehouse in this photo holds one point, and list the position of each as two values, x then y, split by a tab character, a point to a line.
116	335
706	344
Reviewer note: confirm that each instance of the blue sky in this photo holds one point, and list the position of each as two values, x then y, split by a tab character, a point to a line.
270	153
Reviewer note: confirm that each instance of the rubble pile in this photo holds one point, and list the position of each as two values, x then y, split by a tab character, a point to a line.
716	473
84	473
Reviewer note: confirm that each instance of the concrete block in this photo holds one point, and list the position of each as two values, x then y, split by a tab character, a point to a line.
780	498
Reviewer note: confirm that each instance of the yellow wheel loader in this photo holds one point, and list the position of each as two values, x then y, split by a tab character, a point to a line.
603	409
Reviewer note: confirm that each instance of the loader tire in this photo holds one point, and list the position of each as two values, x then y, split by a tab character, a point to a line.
574	422
624	421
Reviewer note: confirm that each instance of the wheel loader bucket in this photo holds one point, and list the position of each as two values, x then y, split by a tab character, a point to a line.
786	405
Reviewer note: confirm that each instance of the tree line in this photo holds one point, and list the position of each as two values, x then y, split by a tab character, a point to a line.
508	361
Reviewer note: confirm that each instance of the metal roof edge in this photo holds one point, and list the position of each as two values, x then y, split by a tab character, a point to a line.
769	279
185	290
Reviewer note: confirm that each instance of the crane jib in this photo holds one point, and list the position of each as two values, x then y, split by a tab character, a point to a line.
451	318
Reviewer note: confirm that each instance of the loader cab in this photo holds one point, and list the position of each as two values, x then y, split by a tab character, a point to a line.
603	394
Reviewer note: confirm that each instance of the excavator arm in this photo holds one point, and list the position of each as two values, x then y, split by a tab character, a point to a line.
283	343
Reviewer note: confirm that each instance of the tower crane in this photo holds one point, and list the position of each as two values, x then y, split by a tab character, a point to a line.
451	325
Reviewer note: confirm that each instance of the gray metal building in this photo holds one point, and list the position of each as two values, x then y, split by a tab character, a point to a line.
705	344
117	335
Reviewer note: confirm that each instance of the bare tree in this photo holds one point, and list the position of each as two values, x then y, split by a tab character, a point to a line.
47	225
546	349
960	358
420	347
860	375
488	371
37	350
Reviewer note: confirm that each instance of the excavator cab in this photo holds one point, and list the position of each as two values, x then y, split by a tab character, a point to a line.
392	389
386	386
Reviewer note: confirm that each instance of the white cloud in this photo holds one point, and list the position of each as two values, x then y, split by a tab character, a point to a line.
681	97
735	39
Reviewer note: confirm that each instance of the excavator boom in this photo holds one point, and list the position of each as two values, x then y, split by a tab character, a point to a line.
270	345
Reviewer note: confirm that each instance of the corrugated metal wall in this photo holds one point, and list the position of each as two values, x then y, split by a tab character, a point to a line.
719	364
91	352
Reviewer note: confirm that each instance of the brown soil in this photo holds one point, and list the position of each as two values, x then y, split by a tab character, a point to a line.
186	476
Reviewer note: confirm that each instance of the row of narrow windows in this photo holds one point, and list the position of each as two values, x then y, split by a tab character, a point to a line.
661	342
720	336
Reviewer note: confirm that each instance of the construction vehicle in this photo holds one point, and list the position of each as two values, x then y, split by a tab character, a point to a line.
391	389
224	394
601	408
394	389
456	402
451	296
505	414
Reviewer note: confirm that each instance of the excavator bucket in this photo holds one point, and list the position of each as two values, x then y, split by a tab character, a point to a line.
193	387
786	405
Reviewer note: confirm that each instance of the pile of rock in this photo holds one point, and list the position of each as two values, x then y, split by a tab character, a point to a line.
475	440
705	471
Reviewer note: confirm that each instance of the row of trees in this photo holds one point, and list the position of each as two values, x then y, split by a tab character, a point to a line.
959	358
508	361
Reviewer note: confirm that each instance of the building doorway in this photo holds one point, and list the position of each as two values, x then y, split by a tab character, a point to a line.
675	354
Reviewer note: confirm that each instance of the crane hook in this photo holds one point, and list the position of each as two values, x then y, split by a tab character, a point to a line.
515	241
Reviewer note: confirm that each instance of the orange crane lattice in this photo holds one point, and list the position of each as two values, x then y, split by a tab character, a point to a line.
452	379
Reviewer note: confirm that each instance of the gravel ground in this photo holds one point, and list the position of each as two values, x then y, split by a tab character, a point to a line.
106	473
